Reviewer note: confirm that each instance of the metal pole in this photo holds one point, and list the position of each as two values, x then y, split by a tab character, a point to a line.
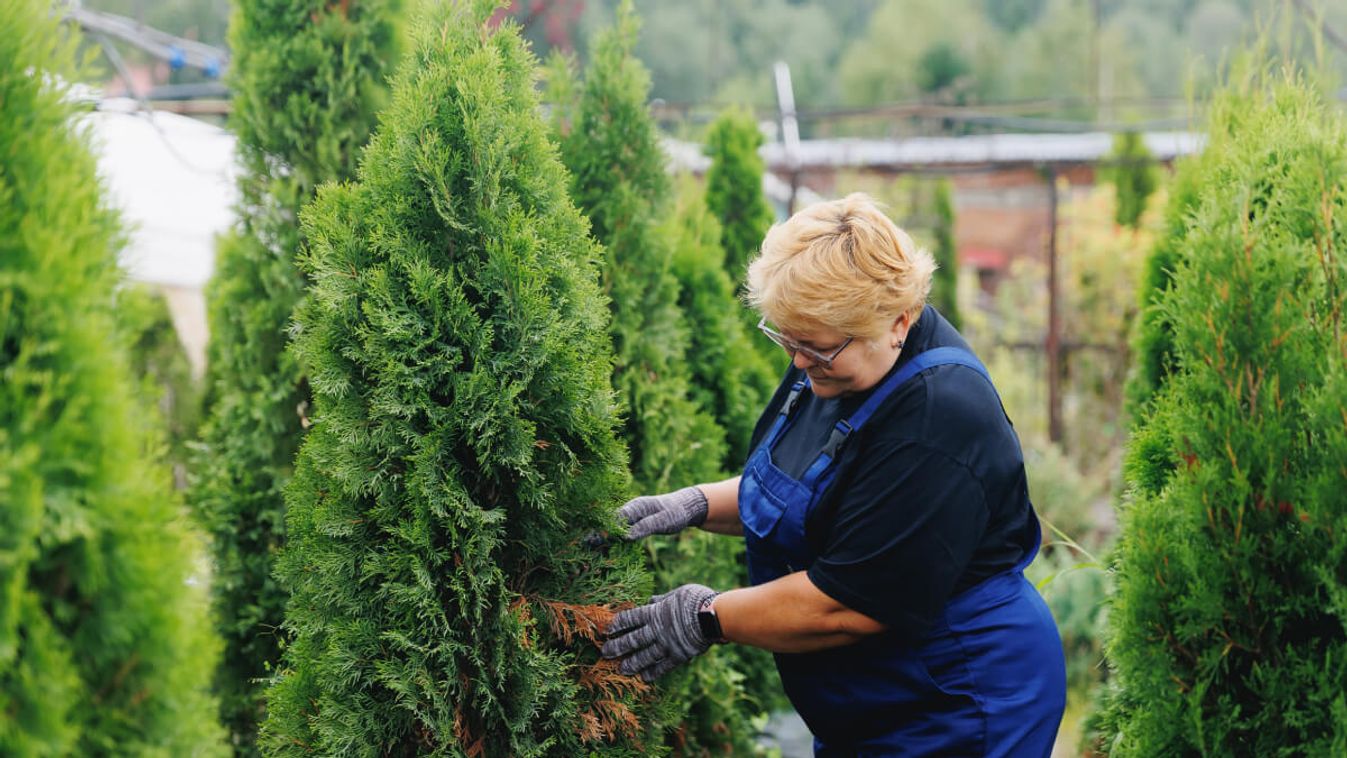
1054	338
790	128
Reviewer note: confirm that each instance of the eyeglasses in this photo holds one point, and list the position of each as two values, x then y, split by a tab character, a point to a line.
794	347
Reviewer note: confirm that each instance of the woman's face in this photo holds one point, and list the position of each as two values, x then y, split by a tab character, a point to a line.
860	365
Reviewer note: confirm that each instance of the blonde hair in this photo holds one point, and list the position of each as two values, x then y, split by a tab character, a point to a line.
841	265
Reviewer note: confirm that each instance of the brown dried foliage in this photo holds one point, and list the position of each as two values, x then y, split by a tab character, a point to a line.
608	717
569	621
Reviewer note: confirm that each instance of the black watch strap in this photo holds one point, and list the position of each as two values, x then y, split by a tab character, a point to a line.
710	622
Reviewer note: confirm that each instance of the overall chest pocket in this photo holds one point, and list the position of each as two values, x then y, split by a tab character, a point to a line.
772	506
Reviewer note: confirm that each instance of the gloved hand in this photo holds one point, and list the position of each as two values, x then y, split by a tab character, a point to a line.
654	638
664	514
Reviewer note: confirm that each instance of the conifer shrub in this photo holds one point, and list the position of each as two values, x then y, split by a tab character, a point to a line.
307	77
618	180
445	597
611	147
728	375
1227	628
159	360
105	648
945	288
734	195
734	188
1152	338
1133	177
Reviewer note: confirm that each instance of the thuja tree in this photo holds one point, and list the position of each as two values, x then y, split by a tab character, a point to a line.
446	595
734	188
617	178
945	288
1227	630
159	360
1153	334
731	378
734	195
307	76
104	647
728	375
1133	177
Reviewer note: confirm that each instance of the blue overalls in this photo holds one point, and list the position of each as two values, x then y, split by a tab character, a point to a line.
988	679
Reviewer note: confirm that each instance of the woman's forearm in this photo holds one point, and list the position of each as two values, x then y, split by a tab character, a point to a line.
790	615
722	507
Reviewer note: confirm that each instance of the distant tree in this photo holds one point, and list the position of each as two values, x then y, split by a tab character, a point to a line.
729	376
619	182
160	362
941	41
1133	177
307	77
1012	15
945	288
445	599
105	646
1226	633
734	189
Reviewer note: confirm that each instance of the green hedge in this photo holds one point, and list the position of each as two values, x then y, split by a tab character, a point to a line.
105	644
1227	628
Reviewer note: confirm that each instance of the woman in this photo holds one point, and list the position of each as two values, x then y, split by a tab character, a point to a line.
885	512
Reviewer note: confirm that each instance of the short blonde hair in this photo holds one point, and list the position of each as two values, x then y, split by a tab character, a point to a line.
841	265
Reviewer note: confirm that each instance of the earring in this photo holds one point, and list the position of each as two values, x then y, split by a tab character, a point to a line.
900	344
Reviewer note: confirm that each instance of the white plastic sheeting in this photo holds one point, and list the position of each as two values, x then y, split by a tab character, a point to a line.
172	177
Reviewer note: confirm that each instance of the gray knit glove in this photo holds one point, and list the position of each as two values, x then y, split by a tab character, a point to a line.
653	639
664	514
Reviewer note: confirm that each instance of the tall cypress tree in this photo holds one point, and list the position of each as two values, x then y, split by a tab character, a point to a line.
945	289
728	375
307	77
445	599
618	180
734	195
1226	632
104	644
158	357
618	175
734	188
1133	177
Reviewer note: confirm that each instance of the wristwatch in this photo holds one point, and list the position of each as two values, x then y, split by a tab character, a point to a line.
710	623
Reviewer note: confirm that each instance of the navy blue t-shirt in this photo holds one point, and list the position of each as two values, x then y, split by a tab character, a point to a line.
930	496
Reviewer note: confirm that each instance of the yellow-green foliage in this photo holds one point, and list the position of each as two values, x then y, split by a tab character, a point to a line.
728	375
618	179
444	598
1227	629
307	78
105	644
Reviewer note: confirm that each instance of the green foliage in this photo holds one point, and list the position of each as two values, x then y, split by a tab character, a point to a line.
104	644
307	76
945	288
618	180
1227	629
444	601
1133	177
728	374
916	47
734	189
730	377
160	362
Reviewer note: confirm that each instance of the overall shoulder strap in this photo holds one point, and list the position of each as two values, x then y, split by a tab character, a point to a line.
939	356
